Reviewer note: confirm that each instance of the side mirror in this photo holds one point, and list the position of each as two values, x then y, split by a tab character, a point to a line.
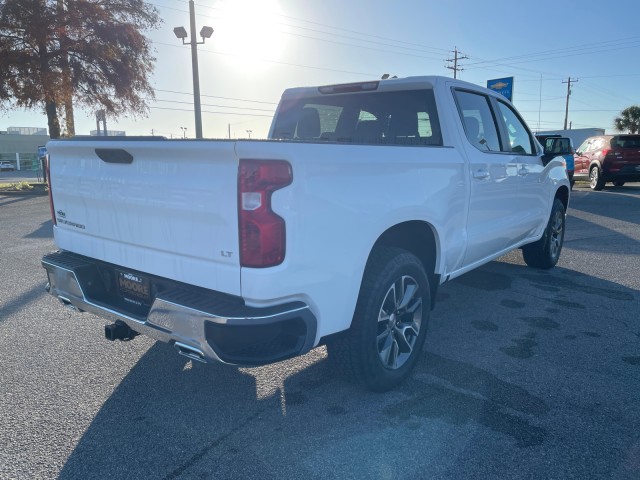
558	146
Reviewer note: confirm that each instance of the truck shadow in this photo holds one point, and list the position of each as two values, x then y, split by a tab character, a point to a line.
170	418
11	307
583	227
45	230
621	203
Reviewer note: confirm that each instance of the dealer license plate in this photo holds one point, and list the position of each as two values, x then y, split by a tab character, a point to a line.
134	288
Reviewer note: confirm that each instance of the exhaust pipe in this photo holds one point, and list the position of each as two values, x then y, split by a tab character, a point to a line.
189	352
119	331
67	303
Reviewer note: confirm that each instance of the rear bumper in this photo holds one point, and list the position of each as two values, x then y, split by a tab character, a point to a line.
202	324
629	173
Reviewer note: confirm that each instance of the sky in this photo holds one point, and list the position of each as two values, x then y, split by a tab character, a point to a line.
261	47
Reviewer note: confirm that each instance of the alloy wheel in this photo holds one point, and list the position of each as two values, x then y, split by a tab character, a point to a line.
399	322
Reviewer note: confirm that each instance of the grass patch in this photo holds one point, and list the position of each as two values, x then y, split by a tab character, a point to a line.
22	186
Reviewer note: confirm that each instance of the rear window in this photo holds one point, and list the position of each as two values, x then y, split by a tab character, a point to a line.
406	117
627	141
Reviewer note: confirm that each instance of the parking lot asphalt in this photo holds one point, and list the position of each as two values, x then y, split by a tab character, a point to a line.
526	374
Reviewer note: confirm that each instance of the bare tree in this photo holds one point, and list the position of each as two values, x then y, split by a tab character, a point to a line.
91	53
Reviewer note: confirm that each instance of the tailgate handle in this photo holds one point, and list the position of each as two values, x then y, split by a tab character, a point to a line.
114	155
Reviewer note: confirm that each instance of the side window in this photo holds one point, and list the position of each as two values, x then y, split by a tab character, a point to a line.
478	122
584	146
597	144
519	137
424	125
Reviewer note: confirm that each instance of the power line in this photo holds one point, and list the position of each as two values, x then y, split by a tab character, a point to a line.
628	42
348	30
576	49
276	61
216	96
209	111
219	106
411	46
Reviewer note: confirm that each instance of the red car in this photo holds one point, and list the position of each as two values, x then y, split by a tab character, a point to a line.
608	158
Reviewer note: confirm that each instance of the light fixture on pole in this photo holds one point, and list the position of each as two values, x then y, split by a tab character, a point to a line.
181	34
249	133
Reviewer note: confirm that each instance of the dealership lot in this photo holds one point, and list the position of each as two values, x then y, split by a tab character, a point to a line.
526	374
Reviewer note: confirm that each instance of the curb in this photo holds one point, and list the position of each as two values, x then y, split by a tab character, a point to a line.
35	192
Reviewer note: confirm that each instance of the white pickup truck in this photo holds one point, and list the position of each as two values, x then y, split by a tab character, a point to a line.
337	230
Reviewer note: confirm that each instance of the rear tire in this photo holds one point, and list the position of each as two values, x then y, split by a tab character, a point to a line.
545	252
596	182
390	322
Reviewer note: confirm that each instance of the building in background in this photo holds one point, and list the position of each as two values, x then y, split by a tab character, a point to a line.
110	133
19	145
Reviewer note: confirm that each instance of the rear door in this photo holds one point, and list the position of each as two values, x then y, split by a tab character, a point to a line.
584	154
493	219
518	143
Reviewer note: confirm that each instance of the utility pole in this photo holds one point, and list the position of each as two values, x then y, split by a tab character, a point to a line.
456	57
569	81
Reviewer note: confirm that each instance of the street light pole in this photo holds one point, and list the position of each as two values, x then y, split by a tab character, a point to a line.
181	33
194	66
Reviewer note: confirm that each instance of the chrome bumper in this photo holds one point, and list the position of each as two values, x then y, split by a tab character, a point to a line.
202	324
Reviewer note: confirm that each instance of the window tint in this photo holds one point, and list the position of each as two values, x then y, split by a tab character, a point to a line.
477	120
561	145
387	118
519	136
584	146
597	144
626	141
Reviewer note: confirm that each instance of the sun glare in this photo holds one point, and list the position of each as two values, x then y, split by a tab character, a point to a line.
248	32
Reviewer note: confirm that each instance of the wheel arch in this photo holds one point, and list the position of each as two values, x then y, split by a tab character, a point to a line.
419	238
562	194
595	163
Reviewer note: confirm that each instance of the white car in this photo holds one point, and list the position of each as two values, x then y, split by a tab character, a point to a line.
6	166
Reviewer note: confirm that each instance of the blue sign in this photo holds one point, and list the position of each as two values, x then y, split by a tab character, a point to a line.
504	86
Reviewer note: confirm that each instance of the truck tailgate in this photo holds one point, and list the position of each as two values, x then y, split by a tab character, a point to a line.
165	207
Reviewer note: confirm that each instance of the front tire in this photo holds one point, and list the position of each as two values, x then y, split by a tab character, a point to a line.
389	326
545	252
596	182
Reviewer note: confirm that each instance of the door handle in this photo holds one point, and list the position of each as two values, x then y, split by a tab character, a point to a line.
480	174
523	172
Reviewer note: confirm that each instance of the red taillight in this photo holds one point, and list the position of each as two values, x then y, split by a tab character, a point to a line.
48	172
262	232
